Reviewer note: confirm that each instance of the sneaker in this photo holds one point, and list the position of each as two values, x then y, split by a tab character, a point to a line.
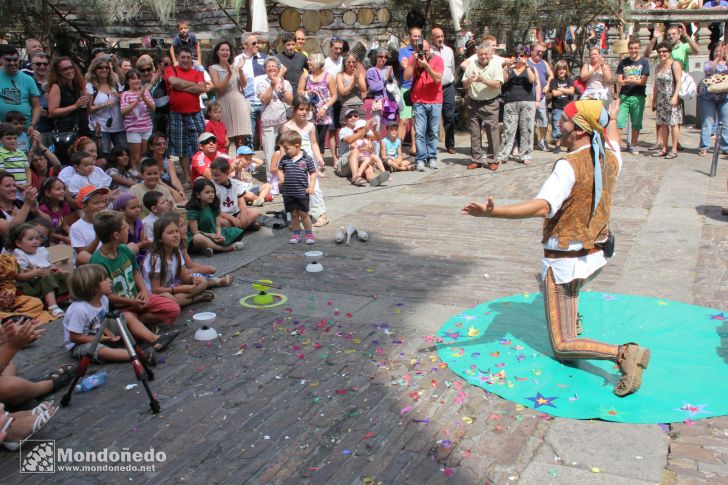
542	146
433	164
420	166
633	150
258	202
379	179
632	360
309	238
208	252
238	245
295	238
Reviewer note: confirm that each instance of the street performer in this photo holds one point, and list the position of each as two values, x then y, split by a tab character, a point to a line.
575	202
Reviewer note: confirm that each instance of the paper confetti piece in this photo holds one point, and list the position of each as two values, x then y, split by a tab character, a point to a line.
130	386
467	420
405	410
595	470
473	332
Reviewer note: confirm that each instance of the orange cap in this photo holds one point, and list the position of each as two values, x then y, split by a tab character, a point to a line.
86	192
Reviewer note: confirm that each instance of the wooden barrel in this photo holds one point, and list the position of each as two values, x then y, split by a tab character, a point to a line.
311	21
312	45
383	15
327	17
349	17
365	16
290	20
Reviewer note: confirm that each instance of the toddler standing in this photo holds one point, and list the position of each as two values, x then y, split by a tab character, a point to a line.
297	175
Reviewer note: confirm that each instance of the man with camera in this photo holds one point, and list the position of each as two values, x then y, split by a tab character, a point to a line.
448	87
425	70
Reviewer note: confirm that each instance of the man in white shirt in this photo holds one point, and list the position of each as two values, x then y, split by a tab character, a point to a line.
439	48
333	65
575	202
253	63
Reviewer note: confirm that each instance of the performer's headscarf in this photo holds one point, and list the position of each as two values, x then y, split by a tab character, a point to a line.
590	116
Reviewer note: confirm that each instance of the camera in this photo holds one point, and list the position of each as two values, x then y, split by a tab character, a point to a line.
420	55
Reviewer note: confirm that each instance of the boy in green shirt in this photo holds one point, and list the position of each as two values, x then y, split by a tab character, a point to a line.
12	160
129	290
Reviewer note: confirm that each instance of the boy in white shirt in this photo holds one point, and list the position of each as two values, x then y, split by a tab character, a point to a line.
87	173
83	237
231	192
157	204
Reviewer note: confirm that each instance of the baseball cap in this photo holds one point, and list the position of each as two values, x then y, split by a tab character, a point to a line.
86	192
204	137
360	124
244	150
392	123
350	111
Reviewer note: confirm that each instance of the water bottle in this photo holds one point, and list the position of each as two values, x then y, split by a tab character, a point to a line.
92	381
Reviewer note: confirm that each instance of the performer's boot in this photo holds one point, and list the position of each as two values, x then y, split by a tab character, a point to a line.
632	360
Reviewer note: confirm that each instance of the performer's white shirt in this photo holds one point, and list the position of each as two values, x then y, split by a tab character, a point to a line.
555	191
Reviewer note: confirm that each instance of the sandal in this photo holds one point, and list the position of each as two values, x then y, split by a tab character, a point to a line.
41	419
226	280
258	202
670	155
360	182
204	297
162	341
62	376
150	357
321	221
56	311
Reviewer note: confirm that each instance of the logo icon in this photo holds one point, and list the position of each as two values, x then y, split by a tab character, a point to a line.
38	456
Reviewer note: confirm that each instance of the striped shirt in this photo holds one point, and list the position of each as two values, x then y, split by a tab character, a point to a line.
137	120
15	163
296	172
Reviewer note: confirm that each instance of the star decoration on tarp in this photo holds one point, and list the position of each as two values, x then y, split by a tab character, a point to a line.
718	316
693	409
608	297
540	400
452	335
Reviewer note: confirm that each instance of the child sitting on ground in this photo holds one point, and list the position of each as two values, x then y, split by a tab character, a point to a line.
149	170
231	192
129	292
10	302
90	287
87	173
164	269
297	175
245	165
13	160
130	206
123	175
84	242
215	126
52	201
157	205
37	276
205	233
367	158
392	151
196	269
83	144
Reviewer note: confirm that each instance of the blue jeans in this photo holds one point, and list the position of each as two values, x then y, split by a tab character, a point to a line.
555	118
255	109
708	109
427	128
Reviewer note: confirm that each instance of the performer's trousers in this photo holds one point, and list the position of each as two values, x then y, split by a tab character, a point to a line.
562	304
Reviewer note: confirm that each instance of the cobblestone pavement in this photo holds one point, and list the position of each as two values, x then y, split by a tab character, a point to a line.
339	385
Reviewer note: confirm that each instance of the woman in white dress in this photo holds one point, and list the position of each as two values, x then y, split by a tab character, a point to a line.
229	81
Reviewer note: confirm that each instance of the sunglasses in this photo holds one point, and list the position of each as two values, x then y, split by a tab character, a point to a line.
353	115
40	64
663	51
149	69
102	68
209	140
252	43
381	57
67	68
11	59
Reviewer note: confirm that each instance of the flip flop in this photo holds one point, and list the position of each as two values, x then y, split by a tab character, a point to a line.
162	341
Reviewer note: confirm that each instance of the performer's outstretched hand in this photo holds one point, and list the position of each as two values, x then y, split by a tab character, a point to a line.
479	210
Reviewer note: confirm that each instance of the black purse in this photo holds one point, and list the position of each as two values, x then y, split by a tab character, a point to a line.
607	246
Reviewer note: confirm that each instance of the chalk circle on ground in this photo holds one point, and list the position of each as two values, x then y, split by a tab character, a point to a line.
503	346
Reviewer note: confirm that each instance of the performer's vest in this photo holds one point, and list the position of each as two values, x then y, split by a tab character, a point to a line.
574	221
